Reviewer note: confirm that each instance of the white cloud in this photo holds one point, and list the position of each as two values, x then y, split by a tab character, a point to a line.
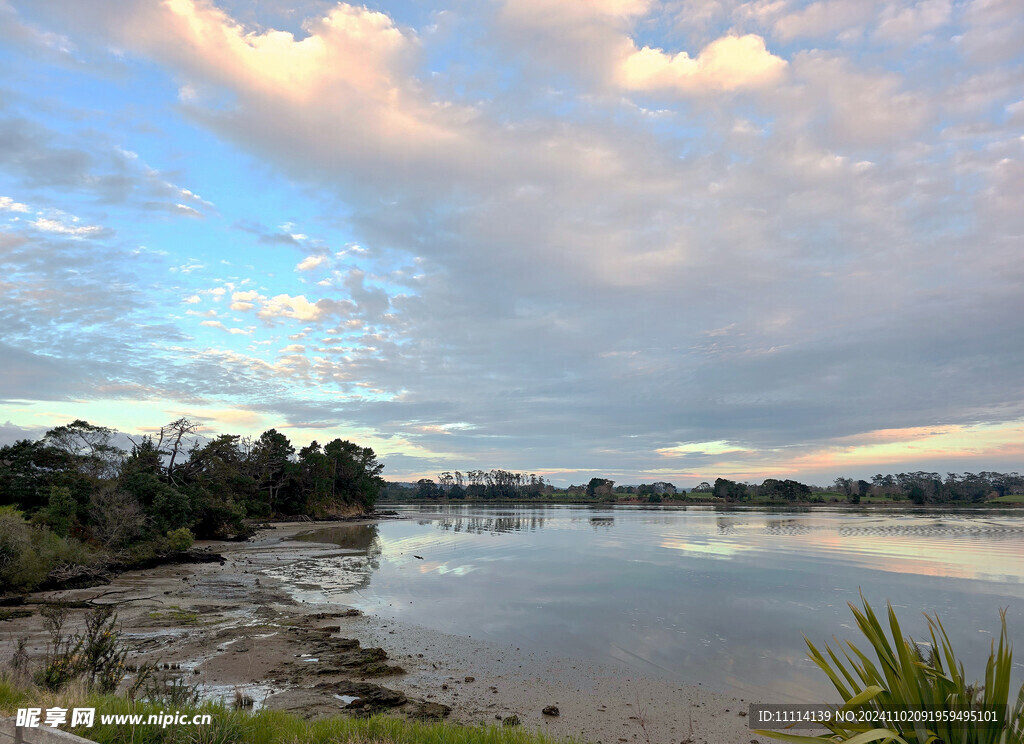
221	326
187	210
310	262
242	301
726	64
285	306
9	205
66	225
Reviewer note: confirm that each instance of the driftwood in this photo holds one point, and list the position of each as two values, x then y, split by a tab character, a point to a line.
94	601
74	576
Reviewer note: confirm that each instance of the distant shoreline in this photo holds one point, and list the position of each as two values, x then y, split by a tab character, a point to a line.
675	503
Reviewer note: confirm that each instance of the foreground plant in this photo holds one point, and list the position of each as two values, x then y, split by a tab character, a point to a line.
94	655
902	678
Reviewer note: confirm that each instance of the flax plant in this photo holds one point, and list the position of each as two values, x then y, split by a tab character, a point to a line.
902	678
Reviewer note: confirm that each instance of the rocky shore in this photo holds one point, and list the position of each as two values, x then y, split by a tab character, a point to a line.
246	631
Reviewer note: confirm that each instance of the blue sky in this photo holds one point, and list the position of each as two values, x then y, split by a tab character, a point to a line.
649	240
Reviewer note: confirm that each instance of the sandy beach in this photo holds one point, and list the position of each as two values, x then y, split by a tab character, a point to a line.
251	628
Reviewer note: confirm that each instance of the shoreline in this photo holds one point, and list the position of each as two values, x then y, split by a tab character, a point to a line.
725	505
237	629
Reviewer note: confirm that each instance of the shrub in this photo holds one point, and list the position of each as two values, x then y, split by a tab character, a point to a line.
180	539
94	655
19	567
903	678
28	554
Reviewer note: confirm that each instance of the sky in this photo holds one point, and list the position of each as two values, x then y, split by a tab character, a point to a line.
642	239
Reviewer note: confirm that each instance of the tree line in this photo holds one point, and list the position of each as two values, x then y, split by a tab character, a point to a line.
495	484
916	487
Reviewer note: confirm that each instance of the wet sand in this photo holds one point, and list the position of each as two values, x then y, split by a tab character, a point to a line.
246	628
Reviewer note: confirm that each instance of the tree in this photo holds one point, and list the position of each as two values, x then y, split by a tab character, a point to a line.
89	449
600	488
730	490
269	459
845	487
427	489
356	473
790	490
116	517
27	471
217	480
173	437
61	512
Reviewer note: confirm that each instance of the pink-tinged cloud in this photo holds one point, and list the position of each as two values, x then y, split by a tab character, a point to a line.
726	64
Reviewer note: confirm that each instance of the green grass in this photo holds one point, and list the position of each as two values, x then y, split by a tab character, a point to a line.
1010	498
262	727
177	616
13	614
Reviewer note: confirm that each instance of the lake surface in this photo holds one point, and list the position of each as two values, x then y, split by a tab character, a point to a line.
695	595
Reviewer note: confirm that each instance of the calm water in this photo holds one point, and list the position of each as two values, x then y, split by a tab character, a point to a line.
697	595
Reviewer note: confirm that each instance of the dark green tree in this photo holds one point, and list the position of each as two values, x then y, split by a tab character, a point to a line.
269	462
600	488
730	490
427	489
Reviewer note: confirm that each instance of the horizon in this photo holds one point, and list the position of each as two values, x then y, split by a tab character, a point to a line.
653	240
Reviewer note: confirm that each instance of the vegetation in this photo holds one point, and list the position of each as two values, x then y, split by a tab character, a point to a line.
85	670
28	554
909	488
903	676
94	656
74	498
497	484
237	726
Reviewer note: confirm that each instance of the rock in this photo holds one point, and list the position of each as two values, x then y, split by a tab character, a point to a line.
370	697
551	710
512	720
431	711
471	679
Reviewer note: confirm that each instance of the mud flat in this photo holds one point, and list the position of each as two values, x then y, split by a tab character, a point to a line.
250	628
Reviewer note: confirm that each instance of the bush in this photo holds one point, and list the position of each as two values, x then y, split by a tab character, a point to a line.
29	553
180	539
95	655
903	678
18	565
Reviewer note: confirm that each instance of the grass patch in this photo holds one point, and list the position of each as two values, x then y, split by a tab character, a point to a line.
263	727
175	615
1010	498
13	614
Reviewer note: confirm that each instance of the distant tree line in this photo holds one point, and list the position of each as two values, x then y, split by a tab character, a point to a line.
917	488
485	485
931	488
76	483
